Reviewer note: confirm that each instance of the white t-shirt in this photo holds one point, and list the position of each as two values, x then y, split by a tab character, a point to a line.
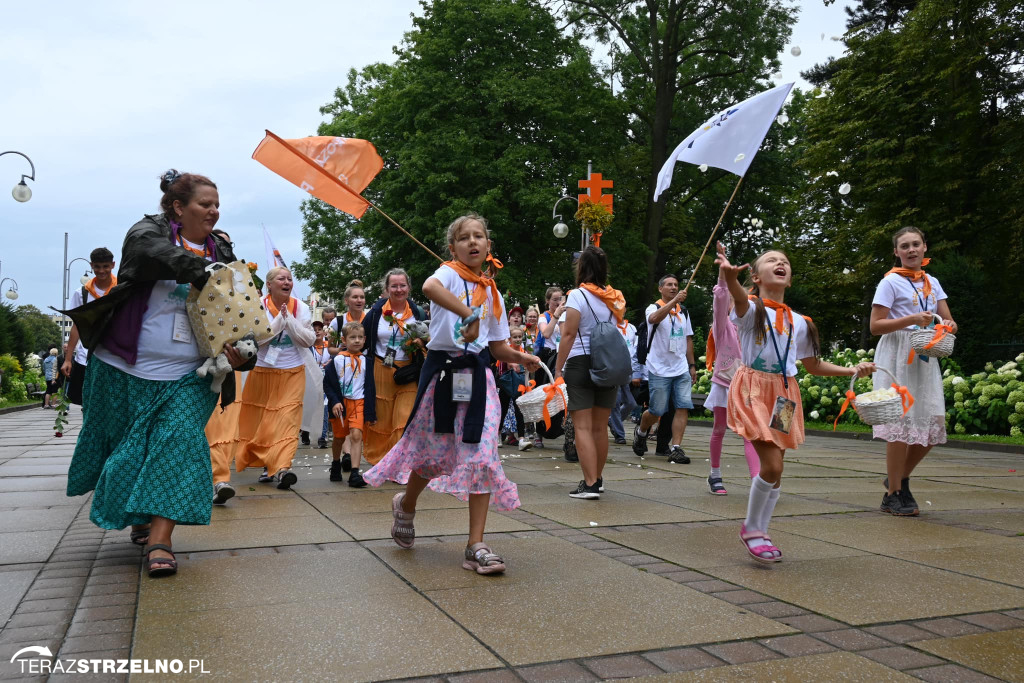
578	300
351	380
390	335
639	371
160	355
442	321
672	332
288	354
321	356
556	331
762	356
903	298
81	354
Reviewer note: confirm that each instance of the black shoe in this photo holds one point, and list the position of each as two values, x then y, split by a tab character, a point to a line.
908	497
355	480
600	485
286	479
585	492
678	456
639	442
571	457
305	438
716	486
894	505
321	443
346	462
663	454
620	440
336	471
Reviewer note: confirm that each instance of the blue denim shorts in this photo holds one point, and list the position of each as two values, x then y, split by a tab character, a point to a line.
663	389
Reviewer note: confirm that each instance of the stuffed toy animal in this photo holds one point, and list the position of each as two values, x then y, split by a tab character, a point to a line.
218	367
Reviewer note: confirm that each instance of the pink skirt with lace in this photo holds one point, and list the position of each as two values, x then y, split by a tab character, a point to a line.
460	469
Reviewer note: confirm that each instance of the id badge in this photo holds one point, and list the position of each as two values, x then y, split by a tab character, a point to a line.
272	353
782	415
182	331
462	387
389	357
673	345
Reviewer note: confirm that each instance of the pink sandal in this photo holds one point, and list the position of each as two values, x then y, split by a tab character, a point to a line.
480	559
758	552
402	530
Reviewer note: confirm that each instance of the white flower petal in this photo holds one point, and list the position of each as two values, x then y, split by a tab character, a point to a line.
844	189
846	271
777	76
703	168
783	119
795	51
739	157
593	524
746	220
834	173
823	36
837	38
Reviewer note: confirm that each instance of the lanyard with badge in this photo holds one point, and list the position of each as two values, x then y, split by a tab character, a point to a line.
924	307
673	340
462	379
392	350
182	329
346	389
785	408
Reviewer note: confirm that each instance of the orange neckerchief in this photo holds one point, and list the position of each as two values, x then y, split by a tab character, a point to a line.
350	319
293	305
709	351
320	347
399	320
926	288
622	327
612	298
356	362
90	286
204	252
482	283
675	309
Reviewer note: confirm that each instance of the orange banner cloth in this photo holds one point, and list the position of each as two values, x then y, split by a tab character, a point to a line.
333	169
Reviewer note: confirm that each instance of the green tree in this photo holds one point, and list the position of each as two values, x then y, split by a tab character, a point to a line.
13	336
42	334
488	108
679	62
923	117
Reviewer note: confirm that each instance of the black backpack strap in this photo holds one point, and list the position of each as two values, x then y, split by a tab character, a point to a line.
85	292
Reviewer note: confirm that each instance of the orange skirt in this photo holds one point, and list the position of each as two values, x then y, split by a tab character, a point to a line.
221	432
270	418
394	405
752	397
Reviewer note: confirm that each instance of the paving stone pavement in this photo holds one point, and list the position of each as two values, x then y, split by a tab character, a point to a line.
649	582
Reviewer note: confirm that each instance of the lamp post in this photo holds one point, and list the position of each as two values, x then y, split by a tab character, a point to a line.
66	291
560	229
22	192
12	293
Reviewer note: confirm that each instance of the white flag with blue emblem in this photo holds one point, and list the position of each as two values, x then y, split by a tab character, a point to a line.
729	139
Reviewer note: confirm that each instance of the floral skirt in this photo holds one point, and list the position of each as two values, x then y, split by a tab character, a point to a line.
460	469
925	422
142	448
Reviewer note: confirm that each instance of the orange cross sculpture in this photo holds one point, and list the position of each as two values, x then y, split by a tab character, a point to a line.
595	184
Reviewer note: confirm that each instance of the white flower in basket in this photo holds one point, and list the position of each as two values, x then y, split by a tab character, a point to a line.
540	403
881	406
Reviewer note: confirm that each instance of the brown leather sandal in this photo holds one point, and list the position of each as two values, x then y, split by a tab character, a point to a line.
160	566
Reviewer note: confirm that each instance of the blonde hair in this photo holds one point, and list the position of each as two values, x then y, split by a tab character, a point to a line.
274	272
354	284
53	352
532	309
349	328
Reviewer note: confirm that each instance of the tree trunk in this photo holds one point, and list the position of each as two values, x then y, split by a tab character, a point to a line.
663	101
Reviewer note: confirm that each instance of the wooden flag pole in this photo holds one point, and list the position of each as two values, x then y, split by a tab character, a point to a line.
326	174
713	232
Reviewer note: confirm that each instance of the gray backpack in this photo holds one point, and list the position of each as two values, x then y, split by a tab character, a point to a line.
610	364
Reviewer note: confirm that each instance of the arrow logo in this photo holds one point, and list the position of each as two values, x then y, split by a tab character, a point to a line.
42	651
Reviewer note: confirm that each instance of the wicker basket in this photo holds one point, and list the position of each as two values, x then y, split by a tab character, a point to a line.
941	348
532	402
879	412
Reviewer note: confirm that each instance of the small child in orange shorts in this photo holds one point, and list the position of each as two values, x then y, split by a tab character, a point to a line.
343	385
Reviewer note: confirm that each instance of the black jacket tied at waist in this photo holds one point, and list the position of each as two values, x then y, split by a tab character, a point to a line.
444	407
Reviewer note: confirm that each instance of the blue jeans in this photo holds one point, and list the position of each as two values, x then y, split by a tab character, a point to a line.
623	401
665	389
327	415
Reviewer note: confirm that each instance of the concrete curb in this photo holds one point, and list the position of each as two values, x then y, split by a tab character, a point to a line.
15	409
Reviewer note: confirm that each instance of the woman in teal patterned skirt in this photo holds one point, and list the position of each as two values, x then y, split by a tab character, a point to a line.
142	449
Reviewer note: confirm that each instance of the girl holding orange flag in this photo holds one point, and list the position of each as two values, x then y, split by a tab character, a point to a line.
905	299
451	441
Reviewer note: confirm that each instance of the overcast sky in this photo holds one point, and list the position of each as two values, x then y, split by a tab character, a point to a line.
105	96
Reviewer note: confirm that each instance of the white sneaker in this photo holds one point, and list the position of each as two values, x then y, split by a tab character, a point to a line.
525	444
222	493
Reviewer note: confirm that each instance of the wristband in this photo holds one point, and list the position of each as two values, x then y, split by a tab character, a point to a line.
693	365
472	317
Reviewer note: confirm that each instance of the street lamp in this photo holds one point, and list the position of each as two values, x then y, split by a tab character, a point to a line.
12	293
560	229
22	192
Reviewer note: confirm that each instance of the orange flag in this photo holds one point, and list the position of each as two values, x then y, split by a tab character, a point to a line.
333	169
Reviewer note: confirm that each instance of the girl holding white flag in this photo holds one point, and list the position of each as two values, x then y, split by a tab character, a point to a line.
764	397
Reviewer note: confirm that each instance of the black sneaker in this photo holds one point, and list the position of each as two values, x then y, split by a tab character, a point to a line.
600	485
355	480
336	471
639	441
286	479
620	440
894	505
346	462
571	457
321	443
908	497
663	454
222	493
305	438
585	492
678	456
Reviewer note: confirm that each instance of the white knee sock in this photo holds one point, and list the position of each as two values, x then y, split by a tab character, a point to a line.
769	508
760	492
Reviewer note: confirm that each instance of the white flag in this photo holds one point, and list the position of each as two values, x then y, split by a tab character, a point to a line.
729	139
274	257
